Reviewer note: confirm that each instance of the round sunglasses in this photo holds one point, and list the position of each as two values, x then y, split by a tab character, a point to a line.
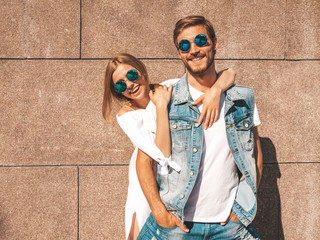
121	86
200	40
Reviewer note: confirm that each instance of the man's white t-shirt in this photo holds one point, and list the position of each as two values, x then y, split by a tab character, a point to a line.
214	192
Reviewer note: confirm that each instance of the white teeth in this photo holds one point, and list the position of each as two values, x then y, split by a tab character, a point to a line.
197	59
135	89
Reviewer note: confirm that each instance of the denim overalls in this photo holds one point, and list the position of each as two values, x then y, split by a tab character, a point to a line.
186	136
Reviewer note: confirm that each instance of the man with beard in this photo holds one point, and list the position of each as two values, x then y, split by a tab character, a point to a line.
214	194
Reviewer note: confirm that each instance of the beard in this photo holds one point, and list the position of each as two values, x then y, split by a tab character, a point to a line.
199	70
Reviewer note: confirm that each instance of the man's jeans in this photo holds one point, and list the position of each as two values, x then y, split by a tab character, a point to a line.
232	230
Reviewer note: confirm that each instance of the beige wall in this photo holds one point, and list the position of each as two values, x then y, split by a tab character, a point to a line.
63	171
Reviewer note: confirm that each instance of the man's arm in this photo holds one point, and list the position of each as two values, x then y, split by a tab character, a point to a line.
259	163
149	187
258	155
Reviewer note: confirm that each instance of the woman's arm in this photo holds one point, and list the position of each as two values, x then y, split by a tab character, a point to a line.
161	98
211	99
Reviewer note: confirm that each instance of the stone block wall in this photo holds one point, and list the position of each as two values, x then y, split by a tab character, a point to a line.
63	170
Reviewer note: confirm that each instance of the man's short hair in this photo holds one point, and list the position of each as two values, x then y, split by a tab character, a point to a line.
190	21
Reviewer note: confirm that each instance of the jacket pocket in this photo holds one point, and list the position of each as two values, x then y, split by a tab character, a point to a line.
179	134
243	126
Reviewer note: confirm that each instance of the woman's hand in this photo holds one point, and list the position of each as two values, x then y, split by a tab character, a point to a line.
210	109
161	96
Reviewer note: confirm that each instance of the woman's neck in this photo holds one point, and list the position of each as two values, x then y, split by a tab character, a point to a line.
140	104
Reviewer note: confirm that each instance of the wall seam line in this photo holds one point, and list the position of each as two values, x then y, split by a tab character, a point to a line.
285	31
78	209
80	50
161	59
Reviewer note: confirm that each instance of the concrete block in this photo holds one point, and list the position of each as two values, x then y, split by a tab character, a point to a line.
303	29
38	203
244	29
300	206
102	202
40	29
52	114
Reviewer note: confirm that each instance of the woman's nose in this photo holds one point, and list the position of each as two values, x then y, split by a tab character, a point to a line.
129	83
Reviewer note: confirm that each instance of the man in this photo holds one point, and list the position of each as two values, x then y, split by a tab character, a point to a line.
214	194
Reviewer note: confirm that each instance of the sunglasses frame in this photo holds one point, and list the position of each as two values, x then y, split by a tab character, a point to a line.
121	85
200	40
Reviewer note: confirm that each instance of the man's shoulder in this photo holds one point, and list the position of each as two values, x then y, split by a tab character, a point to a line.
241	91
172	81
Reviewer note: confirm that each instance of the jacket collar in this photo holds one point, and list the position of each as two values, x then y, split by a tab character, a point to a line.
182	94
232	95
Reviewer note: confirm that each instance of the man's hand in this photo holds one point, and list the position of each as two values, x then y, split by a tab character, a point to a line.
169	220
210	109
232	217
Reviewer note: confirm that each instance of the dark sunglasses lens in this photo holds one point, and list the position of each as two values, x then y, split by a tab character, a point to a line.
200	40
184	45
132	75
120	86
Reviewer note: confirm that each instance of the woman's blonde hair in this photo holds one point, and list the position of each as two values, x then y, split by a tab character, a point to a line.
110	94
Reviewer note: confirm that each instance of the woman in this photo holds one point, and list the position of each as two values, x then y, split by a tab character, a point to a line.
126	80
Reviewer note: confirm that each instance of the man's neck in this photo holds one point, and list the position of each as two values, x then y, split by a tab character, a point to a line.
202	82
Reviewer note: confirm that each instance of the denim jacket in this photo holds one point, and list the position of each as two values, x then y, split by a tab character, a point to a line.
186	136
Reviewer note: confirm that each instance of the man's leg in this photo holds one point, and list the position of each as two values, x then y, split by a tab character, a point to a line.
152	231
234	230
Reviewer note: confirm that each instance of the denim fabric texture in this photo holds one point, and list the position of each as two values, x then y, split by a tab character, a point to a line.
186	137
213	231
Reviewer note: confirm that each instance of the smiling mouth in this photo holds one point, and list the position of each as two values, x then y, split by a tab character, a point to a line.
196	59
135	89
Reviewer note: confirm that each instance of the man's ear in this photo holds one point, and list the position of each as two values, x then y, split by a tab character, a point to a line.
215	47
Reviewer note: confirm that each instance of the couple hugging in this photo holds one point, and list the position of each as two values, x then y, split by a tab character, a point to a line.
197	163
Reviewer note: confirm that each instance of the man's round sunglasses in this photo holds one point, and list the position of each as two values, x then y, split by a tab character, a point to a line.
121	85
200	40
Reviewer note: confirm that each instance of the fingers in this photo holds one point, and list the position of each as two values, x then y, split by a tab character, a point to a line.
212	119
216	116
224	223
170	88
182	226
202	115
151	94
199	100
207	119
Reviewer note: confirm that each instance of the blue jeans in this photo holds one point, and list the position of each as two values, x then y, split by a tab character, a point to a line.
232	230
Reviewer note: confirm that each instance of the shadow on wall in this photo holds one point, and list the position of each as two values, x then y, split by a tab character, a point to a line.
268	220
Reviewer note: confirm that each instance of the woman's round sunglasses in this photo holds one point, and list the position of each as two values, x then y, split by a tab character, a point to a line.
121	85
200	40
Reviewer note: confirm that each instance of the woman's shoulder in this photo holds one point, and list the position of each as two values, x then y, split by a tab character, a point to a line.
128	112
124	110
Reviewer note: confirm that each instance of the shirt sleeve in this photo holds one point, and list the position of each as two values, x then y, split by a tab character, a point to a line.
150	118
256	119
144	140
140	137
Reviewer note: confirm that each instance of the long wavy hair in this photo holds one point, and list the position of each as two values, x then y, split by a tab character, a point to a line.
110	94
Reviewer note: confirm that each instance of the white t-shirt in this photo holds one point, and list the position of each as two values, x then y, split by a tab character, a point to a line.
214	192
